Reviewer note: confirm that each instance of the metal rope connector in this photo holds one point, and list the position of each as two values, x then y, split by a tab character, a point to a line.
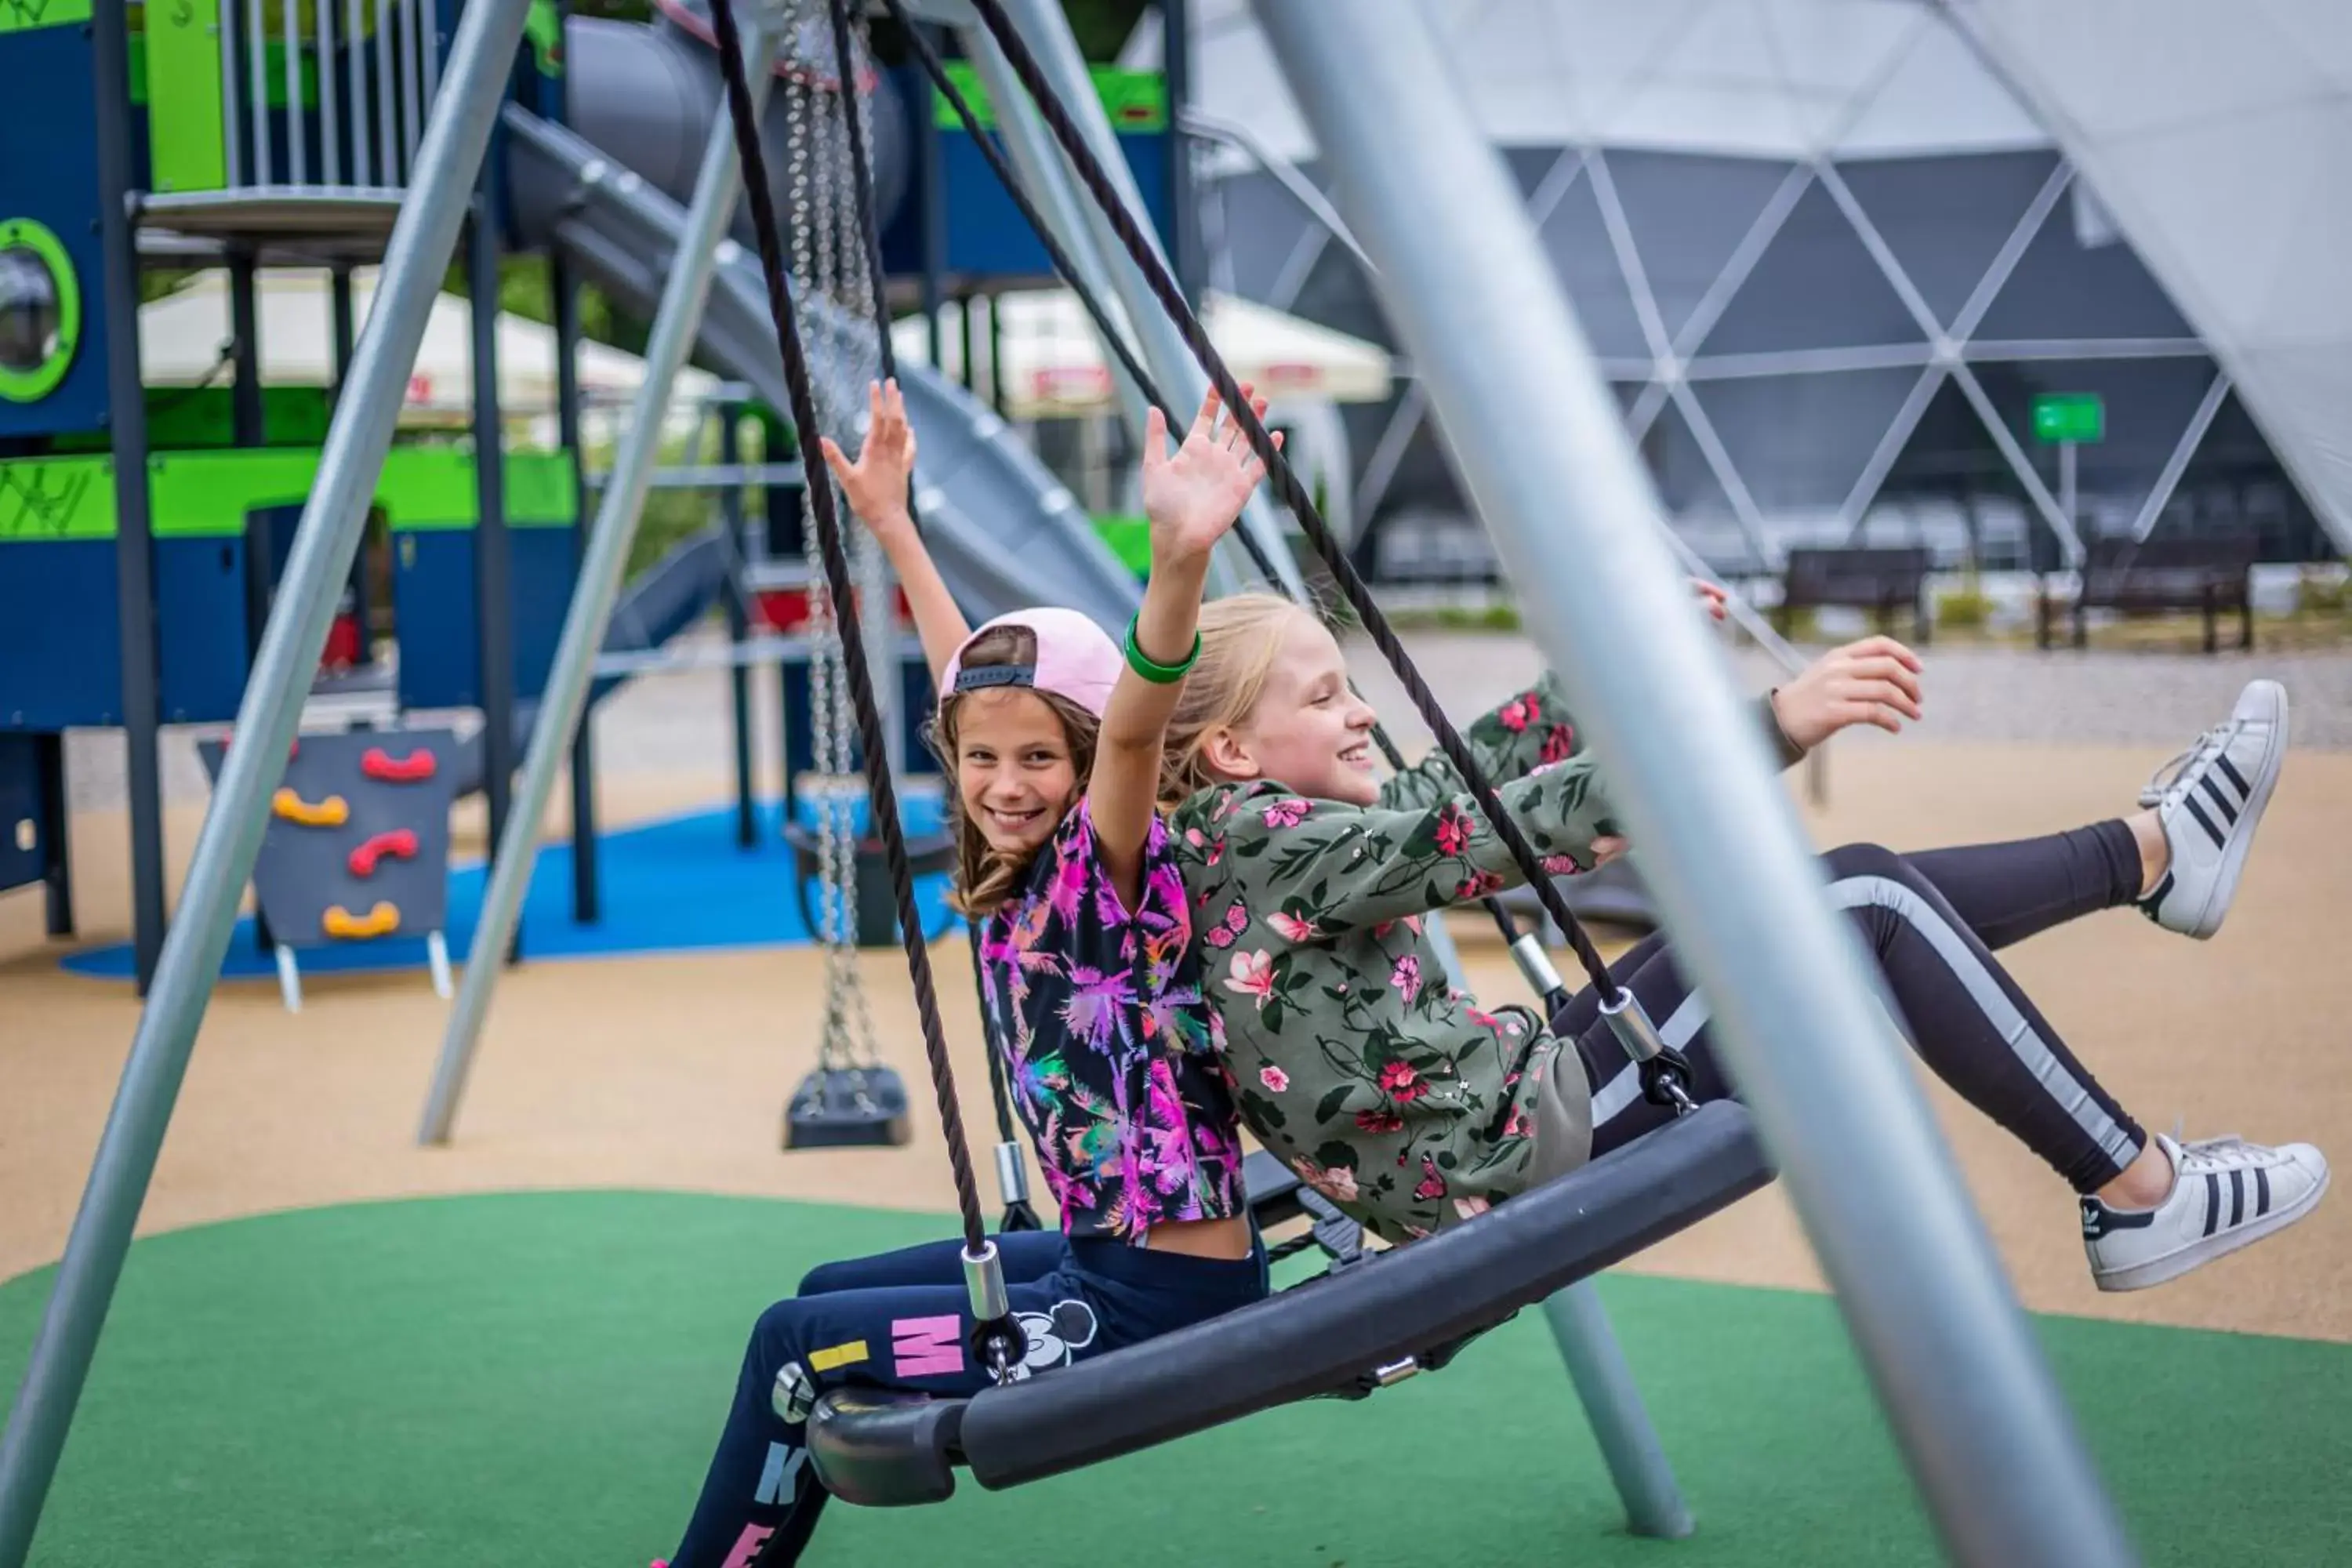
1630	1021
1535	963
1001	1344
1666	1071
1012	1175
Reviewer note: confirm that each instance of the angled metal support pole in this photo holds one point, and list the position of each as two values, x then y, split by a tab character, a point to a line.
416	258
675	324
1800	1023
1047	31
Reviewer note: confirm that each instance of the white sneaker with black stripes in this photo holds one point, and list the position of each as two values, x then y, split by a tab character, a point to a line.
2226	1193
2210	799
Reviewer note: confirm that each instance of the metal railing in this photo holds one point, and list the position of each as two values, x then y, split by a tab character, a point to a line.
342	104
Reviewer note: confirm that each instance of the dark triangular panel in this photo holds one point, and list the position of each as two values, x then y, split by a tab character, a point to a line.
1577	242
1800	442
1815	287
1338	295
1259	226
2065	289
2236	484
1949	488
1697	505
1946	219
1529	165
1689	215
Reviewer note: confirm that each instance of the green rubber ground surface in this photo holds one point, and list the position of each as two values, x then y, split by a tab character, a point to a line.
538	1379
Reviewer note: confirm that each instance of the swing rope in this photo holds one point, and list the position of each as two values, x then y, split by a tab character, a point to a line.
1666	1075
998	1337
1554	996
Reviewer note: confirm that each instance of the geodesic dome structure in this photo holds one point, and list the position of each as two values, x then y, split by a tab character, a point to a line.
1829	256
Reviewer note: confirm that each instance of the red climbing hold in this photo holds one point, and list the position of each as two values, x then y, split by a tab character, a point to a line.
400	842
414	768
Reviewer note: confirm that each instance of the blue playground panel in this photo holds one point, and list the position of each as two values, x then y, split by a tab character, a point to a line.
20	801
434	599
985	233
677	885
62	660
51	108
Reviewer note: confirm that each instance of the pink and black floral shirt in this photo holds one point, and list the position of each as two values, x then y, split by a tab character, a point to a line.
1388	1091
1111	1052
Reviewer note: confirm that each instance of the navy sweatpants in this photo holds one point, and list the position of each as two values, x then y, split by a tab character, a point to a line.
902	1320
1932	921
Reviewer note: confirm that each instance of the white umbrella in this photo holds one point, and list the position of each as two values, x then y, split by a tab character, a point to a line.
183	339
1054	368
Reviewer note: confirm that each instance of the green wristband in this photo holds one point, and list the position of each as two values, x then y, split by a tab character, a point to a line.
1158	674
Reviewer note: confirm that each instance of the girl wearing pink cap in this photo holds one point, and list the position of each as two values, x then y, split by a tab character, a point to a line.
1092	985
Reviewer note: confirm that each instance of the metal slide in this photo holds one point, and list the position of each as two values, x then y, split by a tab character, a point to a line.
1004	532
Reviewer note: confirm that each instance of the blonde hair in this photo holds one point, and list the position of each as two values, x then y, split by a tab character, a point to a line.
1241	637
985	876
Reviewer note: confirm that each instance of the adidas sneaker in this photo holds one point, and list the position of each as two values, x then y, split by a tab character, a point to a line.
2226	1193
2211	799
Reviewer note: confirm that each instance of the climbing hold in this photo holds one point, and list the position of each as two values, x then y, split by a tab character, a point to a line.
400	842
414	768
331	811
380	920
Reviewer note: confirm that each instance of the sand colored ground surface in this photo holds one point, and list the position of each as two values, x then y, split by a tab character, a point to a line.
670	1071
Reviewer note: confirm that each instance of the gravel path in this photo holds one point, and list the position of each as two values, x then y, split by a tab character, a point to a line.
678	722
1973	693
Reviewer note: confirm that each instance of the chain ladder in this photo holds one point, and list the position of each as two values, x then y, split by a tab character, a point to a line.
848	1042
857	293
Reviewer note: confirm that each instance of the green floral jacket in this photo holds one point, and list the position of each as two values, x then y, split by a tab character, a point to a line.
1389	1091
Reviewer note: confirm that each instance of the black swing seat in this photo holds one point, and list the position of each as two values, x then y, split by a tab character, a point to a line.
1403	1310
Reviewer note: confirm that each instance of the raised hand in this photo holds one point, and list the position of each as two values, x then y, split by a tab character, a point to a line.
1193	497
1874	681
876	485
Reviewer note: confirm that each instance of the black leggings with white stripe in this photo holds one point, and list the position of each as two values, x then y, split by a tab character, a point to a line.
1931	920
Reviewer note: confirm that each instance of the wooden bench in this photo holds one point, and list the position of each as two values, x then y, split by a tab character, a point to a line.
1862	579
2150	576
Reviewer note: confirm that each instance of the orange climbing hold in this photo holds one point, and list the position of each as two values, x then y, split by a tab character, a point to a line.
380	765
380	920
331	811
400	842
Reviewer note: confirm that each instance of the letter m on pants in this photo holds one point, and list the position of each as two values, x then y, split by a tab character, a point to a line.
928	1347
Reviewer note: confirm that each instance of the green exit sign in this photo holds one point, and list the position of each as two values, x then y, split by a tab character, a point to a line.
2070	416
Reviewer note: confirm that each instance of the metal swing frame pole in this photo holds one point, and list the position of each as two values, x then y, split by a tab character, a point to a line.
1800	1024
416	257
678	318
1046	30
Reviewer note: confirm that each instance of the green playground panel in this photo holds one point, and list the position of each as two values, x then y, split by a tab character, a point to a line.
183	417
31	16
1132	101
209	495
180	68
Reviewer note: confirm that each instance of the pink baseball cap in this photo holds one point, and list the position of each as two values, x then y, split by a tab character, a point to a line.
1075	659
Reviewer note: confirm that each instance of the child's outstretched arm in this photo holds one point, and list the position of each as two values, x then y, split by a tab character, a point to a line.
876	487
1329	869
1192	498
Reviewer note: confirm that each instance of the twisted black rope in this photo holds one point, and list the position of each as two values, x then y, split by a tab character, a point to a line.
1287	484
884	801
1555	997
